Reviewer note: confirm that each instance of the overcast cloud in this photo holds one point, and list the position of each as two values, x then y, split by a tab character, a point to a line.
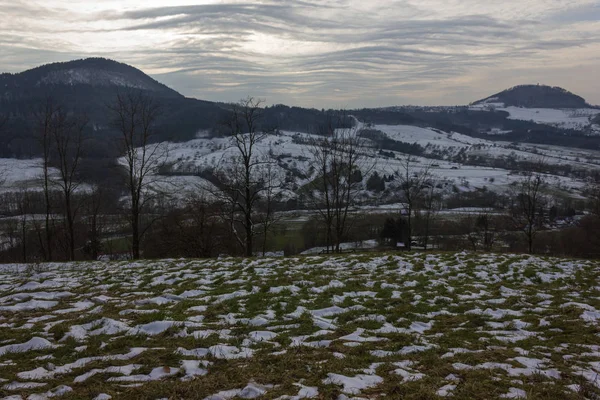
338	53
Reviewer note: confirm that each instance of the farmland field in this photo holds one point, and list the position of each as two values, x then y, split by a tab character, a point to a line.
411	326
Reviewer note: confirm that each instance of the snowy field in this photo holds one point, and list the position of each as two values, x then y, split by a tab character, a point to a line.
414	326
291	159
290	156
566	118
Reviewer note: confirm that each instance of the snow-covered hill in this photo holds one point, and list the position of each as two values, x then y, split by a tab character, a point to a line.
543	105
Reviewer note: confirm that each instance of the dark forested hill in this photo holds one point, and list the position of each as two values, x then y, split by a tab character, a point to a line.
536	96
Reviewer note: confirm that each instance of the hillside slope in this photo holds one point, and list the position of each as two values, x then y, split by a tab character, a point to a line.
475	326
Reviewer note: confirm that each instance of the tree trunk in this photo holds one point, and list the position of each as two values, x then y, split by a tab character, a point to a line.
24	240
135	231
70	228
409	244
248	235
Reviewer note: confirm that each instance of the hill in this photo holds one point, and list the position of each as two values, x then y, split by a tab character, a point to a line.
536	96
89	86
469	325
89	73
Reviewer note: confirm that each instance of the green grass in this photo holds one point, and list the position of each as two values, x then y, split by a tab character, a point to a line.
445	291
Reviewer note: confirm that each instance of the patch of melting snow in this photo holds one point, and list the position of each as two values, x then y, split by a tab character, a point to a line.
420	327
305	392
36	295
36	343
199	352
262	336
590	375
328	312
513	336
514	393
224	395
42	373
103	396
405	372
57	391
22	385
103	326
356	337
192	369
251	391
496	314
159	301
353	385
333	284
446	390
254	390
77	307
341	298
192	293
279	289
154	375
222	351
122	369
30	305
532	366
459	350
415	349
153	328
198	308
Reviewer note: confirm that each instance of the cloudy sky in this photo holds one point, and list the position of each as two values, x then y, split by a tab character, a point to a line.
319	53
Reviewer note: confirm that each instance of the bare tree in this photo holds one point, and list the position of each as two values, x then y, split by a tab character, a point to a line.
241	181
46	118
23	210
67	137
135	116
529	201
482	230
412	179
427	209
486	226
3	174
266	207
593	194
95	205
341	161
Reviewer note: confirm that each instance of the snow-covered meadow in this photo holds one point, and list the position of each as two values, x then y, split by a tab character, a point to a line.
291	160
354	326
291	157
566	118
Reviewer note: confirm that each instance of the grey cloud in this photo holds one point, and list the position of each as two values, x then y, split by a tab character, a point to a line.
366	57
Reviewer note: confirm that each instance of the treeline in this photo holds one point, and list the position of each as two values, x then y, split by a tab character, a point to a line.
136	212
239	206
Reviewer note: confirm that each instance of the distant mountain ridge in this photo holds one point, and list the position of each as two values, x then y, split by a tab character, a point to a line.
90	85
536	96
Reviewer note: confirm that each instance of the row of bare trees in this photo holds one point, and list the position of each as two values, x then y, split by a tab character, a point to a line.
241	197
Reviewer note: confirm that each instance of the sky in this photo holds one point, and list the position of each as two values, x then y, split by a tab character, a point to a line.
320	53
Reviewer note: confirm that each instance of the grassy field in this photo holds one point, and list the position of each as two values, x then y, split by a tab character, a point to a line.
410	326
